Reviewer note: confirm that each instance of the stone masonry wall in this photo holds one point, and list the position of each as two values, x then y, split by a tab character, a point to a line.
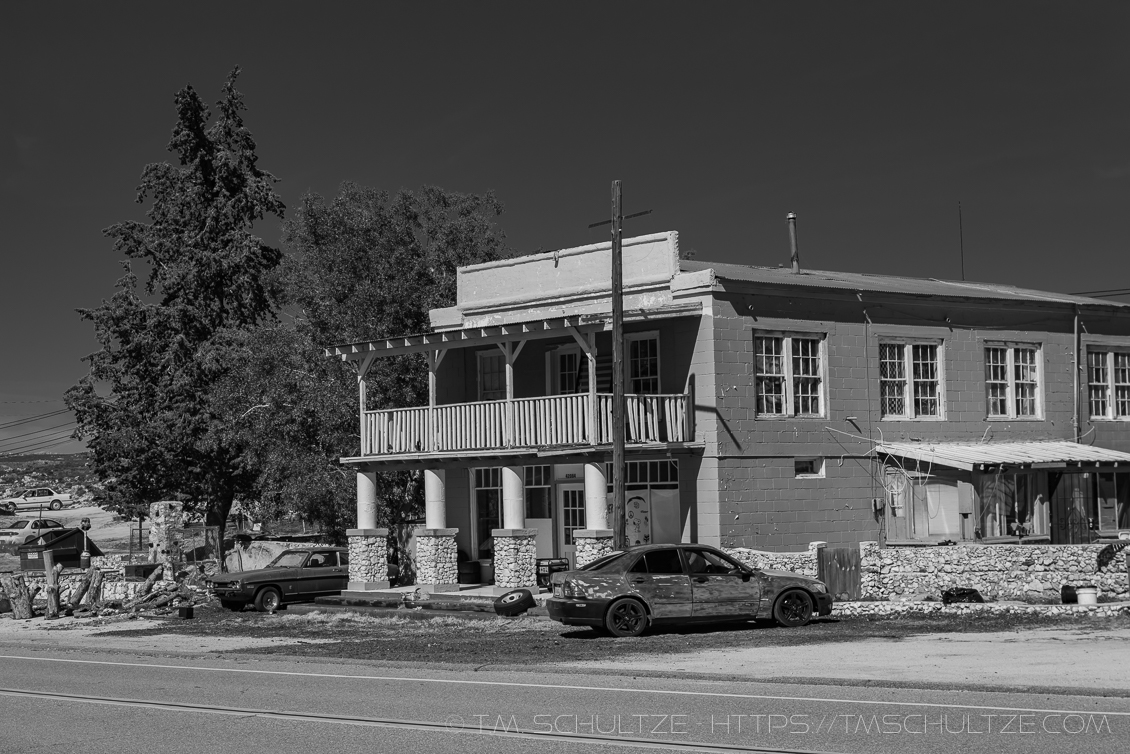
514	561
436	559
368	558
997	571
591	548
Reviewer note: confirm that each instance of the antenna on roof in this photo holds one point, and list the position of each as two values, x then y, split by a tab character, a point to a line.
961	241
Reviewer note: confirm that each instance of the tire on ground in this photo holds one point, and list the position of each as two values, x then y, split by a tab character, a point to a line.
514	602
626	617
793	608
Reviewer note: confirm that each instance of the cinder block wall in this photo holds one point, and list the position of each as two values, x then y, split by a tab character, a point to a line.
760	502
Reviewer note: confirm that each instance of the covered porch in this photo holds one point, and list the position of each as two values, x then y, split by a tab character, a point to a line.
1037	492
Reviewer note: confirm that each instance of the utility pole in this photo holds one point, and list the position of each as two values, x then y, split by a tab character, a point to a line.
619	538
619	407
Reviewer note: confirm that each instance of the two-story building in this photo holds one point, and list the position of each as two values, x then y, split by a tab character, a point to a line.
766	408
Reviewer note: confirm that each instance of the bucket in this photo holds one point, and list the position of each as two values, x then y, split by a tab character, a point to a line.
1088	595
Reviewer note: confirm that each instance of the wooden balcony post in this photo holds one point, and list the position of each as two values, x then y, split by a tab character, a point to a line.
434	359
587	342
510	351
362	370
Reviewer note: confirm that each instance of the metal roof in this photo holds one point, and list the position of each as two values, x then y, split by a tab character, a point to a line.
967	455
859	281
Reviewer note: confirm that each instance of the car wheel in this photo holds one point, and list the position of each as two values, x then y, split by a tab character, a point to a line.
232	605
626	617
793	608
515	602
56	505
268	600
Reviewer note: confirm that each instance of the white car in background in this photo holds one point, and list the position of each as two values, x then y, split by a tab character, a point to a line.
25	530
35	498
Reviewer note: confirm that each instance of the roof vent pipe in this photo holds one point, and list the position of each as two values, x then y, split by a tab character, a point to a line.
794	255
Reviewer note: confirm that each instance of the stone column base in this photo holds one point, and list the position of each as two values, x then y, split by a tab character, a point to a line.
368	559
436	569
592	544
515	551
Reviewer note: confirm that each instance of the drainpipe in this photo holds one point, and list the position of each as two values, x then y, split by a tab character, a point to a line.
1075	343
794	255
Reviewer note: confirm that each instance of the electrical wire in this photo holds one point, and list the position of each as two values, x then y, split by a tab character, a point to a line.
30	419
38	431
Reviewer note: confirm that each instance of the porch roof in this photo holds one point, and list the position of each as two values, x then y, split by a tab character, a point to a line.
551	327
1046	454
501	456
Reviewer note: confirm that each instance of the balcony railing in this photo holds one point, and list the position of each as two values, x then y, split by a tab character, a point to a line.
555	420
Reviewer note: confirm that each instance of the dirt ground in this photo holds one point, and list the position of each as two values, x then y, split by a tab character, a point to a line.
959	651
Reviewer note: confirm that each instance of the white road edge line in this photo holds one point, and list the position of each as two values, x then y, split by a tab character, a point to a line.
565	687
374	722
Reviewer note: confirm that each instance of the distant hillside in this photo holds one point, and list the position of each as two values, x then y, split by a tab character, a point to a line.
65	472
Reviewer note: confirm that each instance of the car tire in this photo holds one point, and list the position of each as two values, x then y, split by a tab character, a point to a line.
56	505
626	617
233	605
514	602
793	608
268	600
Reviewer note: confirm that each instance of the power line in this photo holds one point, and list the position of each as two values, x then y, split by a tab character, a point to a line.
39	445
30	419
38	431
35	450
24	445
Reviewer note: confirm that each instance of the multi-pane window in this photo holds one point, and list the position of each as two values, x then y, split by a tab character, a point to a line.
492	376
910	380
572	373
539	492
1012	381
789	375
1108	384
488	505
643	364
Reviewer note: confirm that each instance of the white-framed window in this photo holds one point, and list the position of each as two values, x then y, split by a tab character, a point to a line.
911	380
492	376
1012	381
488	507
789	374
567	371
1108	383
643	362
539	492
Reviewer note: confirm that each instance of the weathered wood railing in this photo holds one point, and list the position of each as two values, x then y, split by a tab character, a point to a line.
525	422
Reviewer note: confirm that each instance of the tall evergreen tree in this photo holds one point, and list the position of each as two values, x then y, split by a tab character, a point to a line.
145	408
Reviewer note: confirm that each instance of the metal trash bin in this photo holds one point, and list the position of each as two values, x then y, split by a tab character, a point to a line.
486	571
549	566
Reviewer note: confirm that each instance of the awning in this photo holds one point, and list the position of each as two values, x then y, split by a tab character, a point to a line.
1056	454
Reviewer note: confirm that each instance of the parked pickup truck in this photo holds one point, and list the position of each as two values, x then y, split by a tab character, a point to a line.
36	497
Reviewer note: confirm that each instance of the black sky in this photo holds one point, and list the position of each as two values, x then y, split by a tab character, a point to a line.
869	120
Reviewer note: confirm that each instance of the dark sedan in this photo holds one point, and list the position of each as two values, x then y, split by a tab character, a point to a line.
626	592
294	576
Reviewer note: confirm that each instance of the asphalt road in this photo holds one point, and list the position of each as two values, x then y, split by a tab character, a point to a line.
93	701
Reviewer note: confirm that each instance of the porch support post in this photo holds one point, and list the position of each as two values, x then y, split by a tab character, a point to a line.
435	498
366	500
513	498
587	342
368	545
595	540
436	569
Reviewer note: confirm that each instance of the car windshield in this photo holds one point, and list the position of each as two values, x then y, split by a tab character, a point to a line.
289	560
608	562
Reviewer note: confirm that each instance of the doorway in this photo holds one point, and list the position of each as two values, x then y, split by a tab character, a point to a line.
570	517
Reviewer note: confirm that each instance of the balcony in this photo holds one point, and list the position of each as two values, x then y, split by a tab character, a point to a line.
548	421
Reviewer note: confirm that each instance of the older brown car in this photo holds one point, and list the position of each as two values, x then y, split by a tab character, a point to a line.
626	592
